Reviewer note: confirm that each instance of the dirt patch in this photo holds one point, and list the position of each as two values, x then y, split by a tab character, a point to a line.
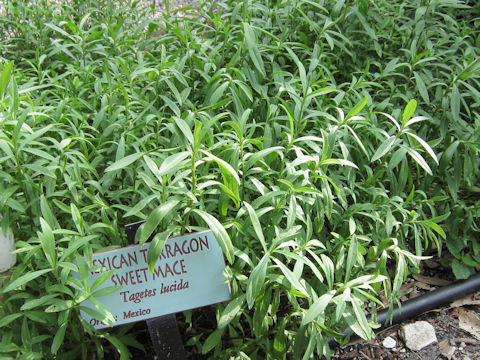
454	342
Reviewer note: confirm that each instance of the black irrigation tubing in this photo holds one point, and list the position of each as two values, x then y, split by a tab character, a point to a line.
423	303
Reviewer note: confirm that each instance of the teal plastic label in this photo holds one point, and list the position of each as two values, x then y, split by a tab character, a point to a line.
187	275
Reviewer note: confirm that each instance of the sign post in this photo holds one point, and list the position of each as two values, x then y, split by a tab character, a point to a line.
187	275
163	330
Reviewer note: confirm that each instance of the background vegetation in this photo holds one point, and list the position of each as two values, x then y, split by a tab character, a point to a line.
329	145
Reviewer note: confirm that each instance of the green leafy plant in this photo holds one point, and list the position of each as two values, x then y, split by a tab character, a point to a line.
326	165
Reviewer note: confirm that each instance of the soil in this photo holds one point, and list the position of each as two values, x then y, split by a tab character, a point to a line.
456	341
453	342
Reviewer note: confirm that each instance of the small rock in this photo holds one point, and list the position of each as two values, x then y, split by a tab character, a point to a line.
418	335
446	349
389	343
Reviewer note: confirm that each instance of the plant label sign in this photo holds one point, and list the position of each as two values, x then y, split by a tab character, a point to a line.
187	275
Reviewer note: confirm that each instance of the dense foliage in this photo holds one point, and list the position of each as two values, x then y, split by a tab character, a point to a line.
329	145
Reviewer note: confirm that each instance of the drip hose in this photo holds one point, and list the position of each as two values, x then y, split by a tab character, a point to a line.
424	303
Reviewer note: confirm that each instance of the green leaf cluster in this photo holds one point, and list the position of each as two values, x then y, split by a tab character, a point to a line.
329	145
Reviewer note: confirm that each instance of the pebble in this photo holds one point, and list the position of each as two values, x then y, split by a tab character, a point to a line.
389	343
418	335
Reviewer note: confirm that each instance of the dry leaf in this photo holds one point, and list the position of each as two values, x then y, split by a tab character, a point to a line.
467	300
465	340
446	349
457	311
406	288
423	286
435	281
470	322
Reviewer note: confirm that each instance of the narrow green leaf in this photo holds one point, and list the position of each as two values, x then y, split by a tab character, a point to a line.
119	346
156	247
357	108
366	332
120	153
329	270
317	308
14	98
124	162
292	212
338	162
294	281
425	145
399	275
31	304
83	270
47	241
435	227
59	305
58	339
220	233
77	218
25	279
290	120
252	160
357	139
301	70
232	194
455	102
419	160
303	259
5	77
154	219
224	165
256	280
218	93
408	111
107	316
422	89
414	120
107	291
212	340
59	30
351	257
397	156
383	148
140	205
447	155
101	279
251	41
74	245
4	321
47	213
368	29
256	225
364	280
94	313
172	163
230	311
